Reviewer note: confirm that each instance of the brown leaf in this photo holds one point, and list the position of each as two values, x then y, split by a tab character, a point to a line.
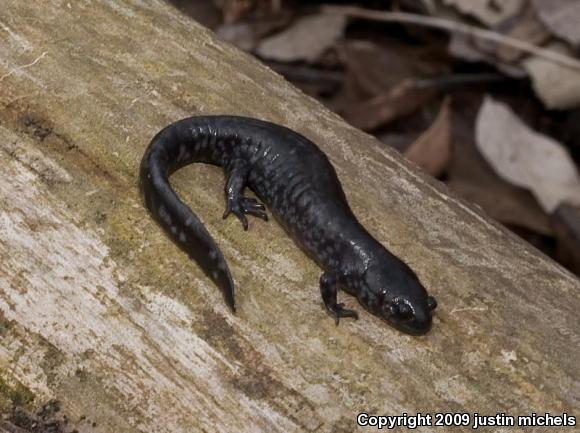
509	205
526	158
306	40
366	63
489	12
463	47
432	150
204	12
526	26
561	17
403	99
234	10
248	33
557	86
472	178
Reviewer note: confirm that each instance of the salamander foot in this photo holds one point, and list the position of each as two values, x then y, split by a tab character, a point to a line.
245	205
337	311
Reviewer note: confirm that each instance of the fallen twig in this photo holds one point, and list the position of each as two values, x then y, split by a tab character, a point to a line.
459	80
456	27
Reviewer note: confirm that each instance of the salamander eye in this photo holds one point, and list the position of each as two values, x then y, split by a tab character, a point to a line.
405	310
431	303
400	309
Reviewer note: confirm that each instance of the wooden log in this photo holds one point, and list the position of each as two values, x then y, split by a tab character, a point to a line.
100	312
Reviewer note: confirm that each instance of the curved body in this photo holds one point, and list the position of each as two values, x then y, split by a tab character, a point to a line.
296	181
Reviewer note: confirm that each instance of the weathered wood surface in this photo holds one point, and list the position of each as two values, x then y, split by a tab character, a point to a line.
102	313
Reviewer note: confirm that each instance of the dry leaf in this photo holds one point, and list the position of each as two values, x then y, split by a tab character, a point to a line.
526	27
306	40
204	12
490	12
403	99
513	207
429	6
561	17
475	180
462	47
234	10
525	157
248	33
366	63
432	150
557	86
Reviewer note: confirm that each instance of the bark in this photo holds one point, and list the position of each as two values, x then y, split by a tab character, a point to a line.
100	312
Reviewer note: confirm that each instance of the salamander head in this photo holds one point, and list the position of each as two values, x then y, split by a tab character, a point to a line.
396	296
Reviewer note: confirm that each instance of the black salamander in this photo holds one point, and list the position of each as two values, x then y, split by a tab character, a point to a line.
292	176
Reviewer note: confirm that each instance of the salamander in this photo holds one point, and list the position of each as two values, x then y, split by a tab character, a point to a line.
292	177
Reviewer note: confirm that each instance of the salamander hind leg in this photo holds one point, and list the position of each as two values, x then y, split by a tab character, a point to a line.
236	202
329	282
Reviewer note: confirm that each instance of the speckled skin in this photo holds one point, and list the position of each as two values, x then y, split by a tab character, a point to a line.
296	181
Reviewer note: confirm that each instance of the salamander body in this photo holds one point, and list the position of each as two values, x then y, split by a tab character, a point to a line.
296	181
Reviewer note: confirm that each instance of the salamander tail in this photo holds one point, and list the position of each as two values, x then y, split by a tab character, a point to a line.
183	226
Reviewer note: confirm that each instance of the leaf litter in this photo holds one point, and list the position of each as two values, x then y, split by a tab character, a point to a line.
441	81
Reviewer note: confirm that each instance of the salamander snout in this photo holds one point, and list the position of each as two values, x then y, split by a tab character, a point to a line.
393	292
413	316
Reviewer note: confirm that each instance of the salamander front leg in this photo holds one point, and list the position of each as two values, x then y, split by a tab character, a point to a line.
328	288
237	203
